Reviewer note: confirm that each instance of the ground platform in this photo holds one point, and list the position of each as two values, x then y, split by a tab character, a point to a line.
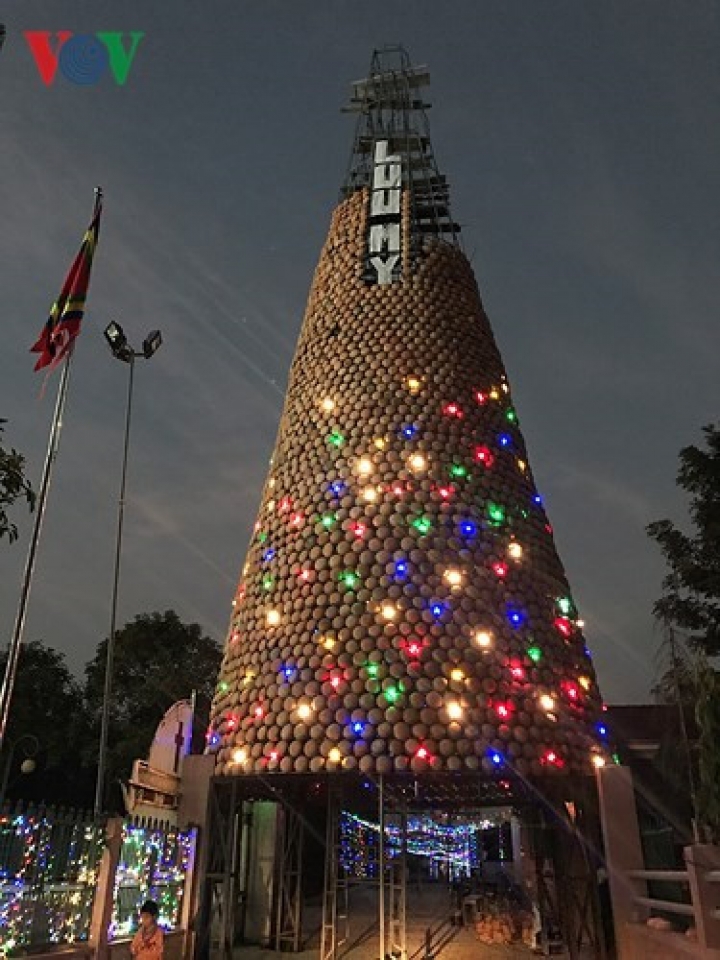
429	907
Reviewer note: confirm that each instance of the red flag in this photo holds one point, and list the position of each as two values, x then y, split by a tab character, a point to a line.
63	325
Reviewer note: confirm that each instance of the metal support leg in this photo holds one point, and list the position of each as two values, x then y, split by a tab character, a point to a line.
381	868
217	912
335	881
287	926
398	888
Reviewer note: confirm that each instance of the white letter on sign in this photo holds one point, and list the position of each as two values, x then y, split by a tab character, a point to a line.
385	201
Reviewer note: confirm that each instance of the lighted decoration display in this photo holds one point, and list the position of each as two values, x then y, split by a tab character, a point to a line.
429	572
449	849
58	854
154	864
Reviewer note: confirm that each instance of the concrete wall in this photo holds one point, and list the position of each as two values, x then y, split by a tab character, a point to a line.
641	943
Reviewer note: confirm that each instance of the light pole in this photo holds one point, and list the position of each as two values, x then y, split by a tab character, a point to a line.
28	764
121	350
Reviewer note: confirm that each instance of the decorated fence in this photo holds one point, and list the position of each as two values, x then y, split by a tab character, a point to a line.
155	862
53	863
49	863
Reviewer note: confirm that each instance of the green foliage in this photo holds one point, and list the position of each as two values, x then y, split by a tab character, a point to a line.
47	704
158	660
691	589
13	487
708	718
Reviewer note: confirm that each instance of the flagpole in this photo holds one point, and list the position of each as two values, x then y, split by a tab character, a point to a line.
16	641
76	283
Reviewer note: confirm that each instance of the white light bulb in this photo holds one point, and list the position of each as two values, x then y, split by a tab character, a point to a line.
454	577
388	611
454	711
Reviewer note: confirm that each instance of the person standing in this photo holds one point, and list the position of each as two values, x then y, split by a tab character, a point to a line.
147	943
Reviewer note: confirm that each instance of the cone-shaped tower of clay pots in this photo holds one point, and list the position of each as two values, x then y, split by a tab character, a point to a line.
402	605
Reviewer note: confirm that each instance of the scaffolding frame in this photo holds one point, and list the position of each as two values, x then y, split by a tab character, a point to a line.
390	106
289	847
562	819
397	896
335	929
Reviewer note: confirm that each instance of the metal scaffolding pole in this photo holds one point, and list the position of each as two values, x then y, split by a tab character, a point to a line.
287	932
335	881
398	889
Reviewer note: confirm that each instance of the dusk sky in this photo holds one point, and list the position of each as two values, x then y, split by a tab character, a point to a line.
582	146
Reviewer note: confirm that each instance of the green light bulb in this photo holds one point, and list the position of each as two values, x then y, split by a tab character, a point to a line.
328	520
496	513
565	604
350	579
422	524
391	694
267	582
535	654
511	415
372	669
458	470
336	439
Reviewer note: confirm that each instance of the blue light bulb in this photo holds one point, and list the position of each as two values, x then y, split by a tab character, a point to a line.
504	439
516	617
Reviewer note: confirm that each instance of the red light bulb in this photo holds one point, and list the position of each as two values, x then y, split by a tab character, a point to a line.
483	455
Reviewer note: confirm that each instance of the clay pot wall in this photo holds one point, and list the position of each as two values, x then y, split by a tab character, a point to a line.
402	605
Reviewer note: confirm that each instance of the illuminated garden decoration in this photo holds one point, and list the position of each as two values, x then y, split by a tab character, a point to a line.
402	605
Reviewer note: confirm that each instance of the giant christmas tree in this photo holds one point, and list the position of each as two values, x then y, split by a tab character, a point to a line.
402	605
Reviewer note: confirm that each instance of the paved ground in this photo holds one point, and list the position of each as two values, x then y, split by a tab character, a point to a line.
428	906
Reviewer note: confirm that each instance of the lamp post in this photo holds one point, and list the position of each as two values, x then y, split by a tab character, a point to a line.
28	764
121	350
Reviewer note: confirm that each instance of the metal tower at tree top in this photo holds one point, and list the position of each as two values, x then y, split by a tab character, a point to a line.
402	608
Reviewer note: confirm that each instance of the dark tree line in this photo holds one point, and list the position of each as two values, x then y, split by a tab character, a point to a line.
689	612
158	660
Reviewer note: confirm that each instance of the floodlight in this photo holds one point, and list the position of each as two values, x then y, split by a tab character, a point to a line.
115	336
151	343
